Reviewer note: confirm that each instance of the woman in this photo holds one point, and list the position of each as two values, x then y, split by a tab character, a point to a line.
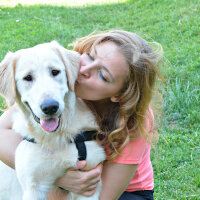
117	75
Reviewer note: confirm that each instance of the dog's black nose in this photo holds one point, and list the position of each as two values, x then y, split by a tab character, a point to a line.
49	106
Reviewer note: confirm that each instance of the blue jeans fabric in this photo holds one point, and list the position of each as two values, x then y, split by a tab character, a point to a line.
137	195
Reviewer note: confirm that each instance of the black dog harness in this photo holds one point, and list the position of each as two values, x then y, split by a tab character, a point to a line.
79	141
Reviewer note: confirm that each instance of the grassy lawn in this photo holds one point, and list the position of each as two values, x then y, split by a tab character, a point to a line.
173	23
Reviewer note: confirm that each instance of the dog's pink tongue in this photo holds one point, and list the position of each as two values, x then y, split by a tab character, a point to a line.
49	124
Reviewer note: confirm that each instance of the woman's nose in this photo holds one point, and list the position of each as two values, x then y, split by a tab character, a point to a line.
85	70
86	67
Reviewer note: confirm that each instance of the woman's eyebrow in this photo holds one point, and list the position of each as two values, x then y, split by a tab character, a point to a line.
104	67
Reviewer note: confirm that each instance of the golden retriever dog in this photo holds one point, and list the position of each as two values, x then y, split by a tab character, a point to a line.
40	82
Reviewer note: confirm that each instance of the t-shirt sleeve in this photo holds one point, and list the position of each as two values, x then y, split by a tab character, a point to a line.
133	152
135	149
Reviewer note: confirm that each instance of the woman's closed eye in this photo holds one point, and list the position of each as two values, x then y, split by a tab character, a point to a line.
102	76
90	56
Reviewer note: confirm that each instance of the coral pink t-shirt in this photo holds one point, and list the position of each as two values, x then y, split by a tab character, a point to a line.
138	152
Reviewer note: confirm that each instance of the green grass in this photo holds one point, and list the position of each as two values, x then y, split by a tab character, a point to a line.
173	23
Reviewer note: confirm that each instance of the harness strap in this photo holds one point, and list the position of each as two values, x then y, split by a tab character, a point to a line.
32	140
79	141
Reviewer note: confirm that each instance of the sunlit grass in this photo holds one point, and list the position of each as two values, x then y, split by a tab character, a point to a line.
12	3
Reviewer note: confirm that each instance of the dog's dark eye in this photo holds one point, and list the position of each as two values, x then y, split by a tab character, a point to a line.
55	72
28	78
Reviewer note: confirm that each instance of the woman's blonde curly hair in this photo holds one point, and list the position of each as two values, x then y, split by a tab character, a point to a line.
127	120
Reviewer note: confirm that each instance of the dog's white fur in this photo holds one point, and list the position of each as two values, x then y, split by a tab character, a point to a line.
39	165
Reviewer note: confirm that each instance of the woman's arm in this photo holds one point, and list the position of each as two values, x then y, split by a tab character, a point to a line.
116	177
9	140
80	182
76	181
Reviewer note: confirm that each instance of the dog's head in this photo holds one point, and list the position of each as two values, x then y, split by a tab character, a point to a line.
39	78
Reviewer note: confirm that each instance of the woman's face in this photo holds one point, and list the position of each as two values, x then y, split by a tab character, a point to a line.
102	74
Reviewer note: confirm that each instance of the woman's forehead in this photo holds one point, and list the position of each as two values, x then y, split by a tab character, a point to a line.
110	56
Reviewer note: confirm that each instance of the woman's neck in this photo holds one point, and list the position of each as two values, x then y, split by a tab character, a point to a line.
102	107
106	113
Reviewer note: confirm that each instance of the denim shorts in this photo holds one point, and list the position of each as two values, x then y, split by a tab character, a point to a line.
137	195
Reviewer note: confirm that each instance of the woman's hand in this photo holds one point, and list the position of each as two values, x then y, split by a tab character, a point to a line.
81	182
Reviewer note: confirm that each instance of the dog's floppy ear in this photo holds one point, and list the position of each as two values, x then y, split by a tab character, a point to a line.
71	60
7	78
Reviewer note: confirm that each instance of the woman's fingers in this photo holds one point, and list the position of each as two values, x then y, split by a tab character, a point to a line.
92	187
93	173
81	164
90	176
89	193
80	182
